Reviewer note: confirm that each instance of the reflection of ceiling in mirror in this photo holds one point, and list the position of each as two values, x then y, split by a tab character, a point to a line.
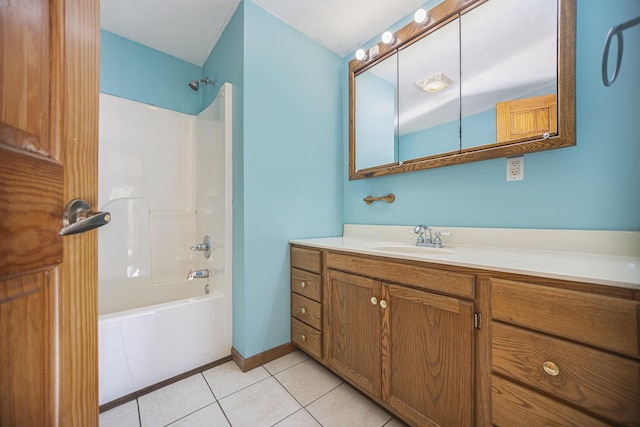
436	53
503	57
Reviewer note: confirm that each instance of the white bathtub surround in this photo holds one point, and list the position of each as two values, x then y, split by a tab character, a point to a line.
599	257
166	179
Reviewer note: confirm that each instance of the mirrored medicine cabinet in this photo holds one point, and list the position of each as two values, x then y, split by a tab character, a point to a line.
480	79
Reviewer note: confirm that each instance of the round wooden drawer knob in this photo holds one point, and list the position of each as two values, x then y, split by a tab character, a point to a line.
302	284
551	368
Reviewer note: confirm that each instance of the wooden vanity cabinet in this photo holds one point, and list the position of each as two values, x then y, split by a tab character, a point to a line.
306	300
546	353
354	329
408	348
563	356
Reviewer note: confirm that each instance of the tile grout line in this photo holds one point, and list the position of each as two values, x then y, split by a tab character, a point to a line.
191	413
304	407
216	398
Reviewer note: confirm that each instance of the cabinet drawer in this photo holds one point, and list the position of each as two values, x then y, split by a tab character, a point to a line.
603	383
433	279
306	310
514	406
602	321
307	338
306	259
306	284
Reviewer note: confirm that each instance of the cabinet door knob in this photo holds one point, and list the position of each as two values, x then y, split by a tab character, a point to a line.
302	310
302	284
374	300
383	303
551	368
303	338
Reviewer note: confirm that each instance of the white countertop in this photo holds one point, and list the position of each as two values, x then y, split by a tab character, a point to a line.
583	266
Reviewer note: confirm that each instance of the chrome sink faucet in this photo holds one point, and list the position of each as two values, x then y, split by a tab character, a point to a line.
432	242
421	231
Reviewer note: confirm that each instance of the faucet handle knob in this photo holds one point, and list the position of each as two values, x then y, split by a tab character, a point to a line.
437	241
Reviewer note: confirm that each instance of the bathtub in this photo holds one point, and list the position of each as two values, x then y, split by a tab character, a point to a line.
143	346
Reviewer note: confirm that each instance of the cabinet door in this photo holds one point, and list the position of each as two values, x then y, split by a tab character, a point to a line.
427	356
354	329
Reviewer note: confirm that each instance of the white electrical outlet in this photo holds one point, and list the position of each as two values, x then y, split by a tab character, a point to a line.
515	168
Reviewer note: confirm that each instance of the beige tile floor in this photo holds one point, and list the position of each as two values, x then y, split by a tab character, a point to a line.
292	391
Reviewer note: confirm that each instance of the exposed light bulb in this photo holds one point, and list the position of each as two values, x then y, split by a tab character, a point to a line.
387	37
420	16
360	54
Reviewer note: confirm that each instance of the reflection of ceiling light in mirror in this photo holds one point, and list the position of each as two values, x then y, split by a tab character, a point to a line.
420	16
387	37
360	54
434	83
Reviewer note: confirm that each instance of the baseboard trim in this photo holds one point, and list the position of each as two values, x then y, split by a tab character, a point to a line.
154	387
261	358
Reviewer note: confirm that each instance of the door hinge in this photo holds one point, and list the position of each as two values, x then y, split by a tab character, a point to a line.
477	318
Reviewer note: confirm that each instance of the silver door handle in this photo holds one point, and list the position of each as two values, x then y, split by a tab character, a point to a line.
78	218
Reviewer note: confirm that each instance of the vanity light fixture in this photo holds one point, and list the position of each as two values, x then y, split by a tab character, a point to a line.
421	16
361	54
434	83
387	37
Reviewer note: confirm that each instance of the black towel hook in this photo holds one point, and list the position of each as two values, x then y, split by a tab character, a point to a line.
616	30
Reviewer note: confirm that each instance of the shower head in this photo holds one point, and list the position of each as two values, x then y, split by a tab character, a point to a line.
195	85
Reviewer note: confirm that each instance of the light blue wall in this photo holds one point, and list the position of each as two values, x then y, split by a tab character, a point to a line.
292	166
595	185
376	100
287	152
439	139
226	64
133	71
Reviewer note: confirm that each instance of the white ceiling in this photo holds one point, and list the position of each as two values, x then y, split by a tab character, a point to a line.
189	29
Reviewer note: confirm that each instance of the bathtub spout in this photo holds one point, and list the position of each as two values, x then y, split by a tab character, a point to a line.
198	274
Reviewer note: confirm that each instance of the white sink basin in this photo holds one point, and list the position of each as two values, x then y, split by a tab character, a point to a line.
412	249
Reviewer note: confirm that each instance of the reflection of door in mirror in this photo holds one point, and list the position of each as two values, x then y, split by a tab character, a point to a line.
429	94
376	116
509	52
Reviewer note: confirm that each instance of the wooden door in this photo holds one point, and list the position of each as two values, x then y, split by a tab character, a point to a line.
427	357
49	56
354	329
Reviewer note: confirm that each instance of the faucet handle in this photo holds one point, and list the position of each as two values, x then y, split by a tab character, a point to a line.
437	241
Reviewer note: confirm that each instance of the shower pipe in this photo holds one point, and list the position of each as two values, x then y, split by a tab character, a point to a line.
195	84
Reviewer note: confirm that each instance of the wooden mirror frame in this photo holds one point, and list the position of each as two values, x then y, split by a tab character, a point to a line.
440	15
